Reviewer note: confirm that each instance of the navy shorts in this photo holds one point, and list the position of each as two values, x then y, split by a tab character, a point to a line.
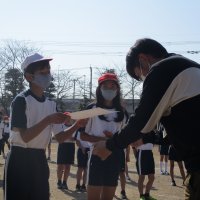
145	162
82	157
27	174
104	172
66	152
164	149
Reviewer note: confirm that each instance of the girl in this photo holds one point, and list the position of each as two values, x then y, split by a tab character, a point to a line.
103	175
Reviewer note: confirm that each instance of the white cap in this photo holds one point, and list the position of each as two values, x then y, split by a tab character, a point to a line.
32	59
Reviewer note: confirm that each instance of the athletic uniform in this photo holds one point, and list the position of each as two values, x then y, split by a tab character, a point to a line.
104	173
83	151
1	136
144	159
26	169
6	132
66	151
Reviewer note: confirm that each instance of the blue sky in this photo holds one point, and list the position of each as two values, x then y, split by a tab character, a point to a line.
98	33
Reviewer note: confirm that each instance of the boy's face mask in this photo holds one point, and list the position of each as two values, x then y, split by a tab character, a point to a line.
42	81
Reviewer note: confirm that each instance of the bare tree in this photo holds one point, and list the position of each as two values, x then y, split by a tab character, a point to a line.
12	53
63	82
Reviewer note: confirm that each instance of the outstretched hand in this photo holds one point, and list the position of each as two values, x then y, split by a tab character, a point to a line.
58	118
137	143
101	150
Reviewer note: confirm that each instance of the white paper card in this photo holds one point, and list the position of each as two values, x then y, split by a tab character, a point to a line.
90	113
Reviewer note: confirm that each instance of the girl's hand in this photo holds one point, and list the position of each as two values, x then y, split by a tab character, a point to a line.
108	134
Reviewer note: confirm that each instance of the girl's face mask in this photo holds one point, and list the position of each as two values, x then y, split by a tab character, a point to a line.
109	94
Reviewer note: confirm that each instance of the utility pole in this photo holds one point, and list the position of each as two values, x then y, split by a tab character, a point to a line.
90	82
74	86
84	86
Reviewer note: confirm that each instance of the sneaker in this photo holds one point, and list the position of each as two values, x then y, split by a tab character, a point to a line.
59	185
162	173
64	186
83	188
78	189
166	173
173	183
123	195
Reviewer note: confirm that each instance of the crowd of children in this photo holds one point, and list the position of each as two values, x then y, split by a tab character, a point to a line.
33	120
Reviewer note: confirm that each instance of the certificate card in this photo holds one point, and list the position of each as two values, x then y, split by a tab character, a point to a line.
90	113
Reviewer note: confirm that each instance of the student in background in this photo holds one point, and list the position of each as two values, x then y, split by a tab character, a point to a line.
82	160
127	156
48	149
164	153
1	134
65	158
145	167
173	157
5	134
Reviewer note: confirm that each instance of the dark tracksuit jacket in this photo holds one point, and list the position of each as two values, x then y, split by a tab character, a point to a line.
171	94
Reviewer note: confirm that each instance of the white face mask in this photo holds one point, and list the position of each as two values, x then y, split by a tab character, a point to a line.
142	76
42	81
108	94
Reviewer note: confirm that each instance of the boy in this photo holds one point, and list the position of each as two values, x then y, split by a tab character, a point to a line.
33	119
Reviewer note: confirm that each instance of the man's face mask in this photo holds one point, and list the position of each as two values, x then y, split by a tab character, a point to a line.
108	95
142	76
42	81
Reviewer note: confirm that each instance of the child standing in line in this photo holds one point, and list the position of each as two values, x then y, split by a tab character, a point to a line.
33	119
173	157
5	134
82	160
164	152
103	174
65	158
1	134
145	167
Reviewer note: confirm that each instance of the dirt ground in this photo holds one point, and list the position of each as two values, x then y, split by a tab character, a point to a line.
162	190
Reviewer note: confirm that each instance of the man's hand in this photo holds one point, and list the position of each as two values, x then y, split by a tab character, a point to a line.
137	143
101	150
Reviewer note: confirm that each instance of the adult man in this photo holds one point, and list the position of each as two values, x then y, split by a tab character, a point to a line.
171	94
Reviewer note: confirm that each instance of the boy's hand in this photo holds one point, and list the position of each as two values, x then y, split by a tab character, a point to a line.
58	118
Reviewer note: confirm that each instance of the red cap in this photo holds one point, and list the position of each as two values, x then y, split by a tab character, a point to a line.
108	77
